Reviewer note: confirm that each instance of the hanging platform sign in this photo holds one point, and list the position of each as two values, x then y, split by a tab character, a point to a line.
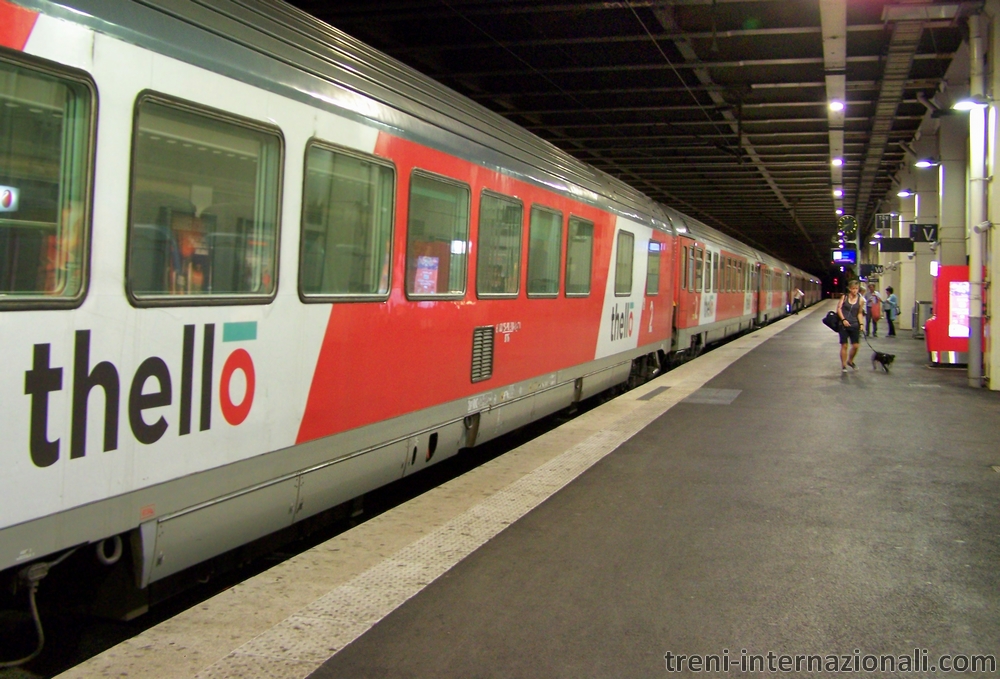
923	233
895	245
885	220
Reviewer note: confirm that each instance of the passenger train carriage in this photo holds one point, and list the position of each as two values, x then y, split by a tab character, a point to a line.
251	269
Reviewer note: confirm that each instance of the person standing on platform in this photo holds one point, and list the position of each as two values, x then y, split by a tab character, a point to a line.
797	297
891	310
850	309
873	311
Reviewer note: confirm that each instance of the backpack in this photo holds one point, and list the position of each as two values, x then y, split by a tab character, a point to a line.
832	321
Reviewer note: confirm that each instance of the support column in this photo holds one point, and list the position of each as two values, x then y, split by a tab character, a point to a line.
977	201
903	279
952	180
991	367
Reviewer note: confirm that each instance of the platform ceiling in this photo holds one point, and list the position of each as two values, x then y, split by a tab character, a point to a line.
718	108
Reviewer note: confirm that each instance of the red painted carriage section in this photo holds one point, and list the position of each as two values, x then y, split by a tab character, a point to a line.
15	25
380	360
730	302
688	301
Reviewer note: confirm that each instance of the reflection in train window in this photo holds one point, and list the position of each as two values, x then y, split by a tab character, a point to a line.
46	123
579	255
544	252
498	265
437	237
623	263
653	269
347	211
204	210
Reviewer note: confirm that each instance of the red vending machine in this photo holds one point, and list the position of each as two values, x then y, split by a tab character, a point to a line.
947	331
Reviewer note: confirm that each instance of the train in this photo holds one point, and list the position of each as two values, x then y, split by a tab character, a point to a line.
252	269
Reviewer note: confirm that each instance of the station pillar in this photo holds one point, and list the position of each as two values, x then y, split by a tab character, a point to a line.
953	134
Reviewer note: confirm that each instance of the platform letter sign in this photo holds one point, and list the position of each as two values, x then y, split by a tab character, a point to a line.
923	233
883	221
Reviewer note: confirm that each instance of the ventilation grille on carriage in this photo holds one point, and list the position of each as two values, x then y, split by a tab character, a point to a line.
482	353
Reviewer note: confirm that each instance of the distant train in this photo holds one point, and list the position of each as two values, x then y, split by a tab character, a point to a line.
251	269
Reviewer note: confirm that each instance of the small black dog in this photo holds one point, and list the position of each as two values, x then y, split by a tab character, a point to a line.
883	359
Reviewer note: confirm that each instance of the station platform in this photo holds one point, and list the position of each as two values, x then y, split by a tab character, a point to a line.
752	501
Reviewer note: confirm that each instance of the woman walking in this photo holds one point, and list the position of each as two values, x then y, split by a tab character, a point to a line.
850	308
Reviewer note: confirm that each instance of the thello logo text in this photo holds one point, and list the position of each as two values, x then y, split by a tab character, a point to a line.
152	386
622	321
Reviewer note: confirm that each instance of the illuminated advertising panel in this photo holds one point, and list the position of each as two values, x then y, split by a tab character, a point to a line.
845	257
958	309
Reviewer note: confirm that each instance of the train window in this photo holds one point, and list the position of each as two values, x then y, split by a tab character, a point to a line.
47	120
203	222
699	265
653	268
684	259
347	207
715	272
690	268
579	255
544	252
498	266
437	237
623	263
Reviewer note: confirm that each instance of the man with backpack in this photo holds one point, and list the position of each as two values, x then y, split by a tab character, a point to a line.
873	311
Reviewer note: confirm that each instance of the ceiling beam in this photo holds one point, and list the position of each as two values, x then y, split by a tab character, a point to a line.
664	14
899	60
634	68
833	20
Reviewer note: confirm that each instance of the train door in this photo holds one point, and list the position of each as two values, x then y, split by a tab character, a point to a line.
758	292
708	309
745	287
785	292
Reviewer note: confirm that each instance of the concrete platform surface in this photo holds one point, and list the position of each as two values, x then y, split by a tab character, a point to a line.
762	502
815	514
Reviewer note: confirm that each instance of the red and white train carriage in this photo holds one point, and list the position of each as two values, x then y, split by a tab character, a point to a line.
254	269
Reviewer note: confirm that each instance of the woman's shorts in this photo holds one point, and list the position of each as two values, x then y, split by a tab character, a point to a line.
852	333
